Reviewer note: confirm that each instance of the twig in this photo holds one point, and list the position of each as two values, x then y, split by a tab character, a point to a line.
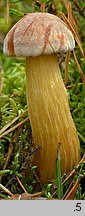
72	21
69	187
67	64
79	8
10	180
14	127
65	3
17	134
71	174
68	23
23	188
36	194
28	157
10	149
34	150
71	18
26	196
72	192
13	121
74	33
43	7
73	171
79	68
6	190
35	175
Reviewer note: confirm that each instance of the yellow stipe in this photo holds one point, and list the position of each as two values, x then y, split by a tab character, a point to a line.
50	117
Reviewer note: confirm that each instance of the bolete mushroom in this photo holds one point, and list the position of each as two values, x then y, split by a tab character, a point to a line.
38	37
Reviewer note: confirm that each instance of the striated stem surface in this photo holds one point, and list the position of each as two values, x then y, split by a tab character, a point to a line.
50	117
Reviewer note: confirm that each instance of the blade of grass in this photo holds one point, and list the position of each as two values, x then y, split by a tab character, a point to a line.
82	137
58	174
1	79
2	172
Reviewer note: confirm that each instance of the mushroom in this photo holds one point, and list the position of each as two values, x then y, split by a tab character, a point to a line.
38	37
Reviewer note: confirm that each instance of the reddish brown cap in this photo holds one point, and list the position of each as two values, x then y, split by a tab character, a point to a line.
36	34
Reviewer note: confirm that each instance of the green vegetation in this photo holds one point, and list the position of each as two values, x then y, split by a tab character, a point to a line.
16	143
